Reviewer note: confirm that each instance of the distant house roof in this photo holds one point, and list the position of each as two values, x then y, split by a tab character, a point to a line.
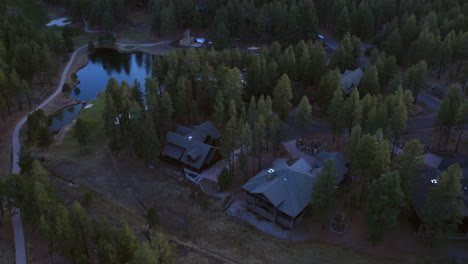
422	182
287	187
429	176
461	159
287	184
191	146
339	161
350	80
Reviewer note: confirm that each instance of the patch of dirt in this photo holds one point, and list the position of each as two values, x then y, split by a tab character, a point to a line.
188	217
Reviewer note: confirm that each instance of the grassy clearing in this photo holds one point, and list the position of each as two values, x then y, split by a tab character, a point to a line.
135	35
31	9
92	118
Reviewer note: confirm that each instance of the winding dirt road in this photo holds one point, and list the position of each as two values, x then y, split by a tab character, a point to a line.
20	251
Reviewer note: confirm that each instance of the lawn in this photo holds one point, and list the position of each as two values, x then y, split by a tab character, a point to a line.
67	146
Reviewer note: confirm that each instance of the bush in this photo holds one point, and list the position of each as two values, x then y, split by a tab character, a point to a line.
87	199
152	217
66	89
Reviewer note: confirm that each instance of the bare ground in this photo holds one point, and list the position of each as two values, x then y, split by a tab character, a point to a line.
197	224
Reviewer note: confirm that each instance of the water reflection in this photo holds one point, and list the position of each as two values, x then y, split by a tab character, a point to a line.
62	118
107	63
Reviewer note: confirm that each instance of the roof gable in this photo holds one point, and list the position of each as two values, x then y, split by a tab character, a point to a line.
351	80
287	189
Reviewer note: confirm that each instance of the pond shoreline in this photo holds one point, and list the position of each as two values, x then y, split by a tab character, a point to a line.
82	59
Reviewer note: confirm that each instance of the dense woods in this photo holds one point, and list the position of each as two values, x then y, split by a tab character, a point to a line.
68	229
253	97
28	54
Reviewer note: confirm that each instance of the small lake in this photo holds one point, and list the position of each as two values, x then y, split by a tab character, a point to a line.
64	117
103	65
108	63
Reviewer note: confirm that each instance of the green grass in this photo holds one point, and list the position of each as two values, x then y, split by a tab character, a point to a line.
129	47
136	35
68	147
30	9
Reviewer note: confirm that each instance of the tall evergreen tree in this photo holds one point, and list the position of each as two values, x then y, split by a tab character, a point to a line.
282	97
328	85
385	202
323	191
303	115
444	197
370	82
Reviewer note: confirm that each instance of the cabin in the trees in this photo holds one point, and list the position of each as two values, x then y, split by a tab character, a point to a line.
350	80
194	148
338	160
427	178
282	192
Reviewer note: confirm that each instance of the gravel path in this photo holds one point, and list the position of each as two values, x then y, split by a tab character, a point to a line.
16	147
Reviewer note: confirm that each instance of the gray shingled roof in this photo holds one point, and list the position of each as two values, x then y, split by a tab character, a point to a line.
187	144
351	80
339	161
290	190
422	184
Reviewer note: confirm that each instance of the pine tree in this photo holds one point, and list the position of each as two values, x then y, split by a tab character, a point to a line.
385	203
259	135
81	132
398	121
80	226
343	24
335	113
145	139
365	152
444	197
370	82
353	142
282	97
318	62
303	115
229	142
328	85
222	37
410	159
461	122
218	111
415	78
126	244
446	117
352	110
168	22
323	191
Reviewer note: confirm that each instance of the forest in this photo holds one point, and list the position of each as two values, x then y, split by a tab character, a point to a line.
253	98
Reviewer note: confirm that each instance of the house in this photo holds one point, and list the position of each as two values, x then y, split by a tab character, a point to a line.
350	80
338	160
282	192
189	41
426	178
193	147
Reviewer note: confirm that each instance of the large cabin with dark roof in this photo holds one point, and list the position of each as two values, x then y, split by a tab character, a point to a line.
426	178
282	192
193	148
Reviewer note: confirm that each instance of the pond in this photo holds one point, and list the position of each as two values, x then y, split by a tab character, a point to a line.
103	65
58	22
108	63
62	118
